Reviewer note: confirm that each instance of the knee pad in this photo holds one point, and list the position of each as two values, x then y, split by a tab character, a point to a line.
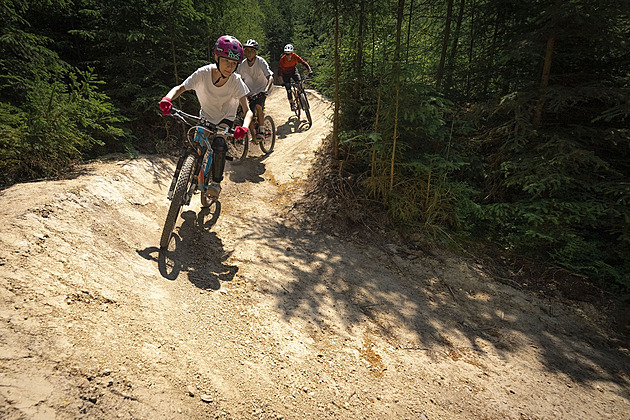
219	145
219	149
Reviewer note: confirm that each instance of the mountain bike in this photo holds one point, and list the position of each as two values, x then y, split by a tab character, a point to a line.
268	141
193	170
301	101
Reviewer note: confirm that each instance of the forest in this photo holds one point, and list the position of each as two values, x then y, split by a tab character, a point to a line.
499	122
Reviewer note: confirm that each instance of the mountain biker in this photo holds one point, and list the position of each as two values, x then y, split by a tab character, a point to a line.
287	68
259	79
220	91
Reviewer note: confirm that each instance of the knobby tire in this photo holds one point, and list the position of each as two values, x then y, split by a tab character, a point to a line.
237	149
183	182
268	143
307	108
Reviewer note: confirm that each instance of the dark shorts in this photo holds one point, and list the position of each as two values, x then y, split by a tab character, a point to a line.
286	78
227	122
260	100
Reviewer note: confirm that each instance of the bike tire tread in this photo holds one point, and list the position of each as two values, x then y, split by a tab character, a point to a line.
177	202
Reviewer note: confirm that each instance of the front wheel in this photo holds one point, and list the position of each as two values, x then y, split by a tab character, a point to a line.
305	105
296	101
269	131
181	188
237	148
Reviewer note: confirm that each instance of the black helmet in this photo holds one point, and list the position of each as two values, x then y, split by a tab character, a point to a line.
251	43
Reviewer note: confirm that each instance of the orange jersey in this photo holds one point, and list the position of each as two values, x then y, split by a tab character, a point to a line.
288	67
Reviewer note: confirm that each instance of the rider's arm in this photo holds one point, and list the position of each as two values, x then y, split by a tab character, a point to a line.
176	91
303	62
269	83
267	72
308	66
249	115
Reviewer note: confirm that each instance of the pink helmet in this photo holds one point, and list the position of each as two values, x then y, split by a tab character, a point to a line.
229	47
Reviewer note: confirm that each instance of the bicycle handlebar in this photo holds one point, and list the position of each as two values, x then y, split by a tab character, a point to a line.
187	118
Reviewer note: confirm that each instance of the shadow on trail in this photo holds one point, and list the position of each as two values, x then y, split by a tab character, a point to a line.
195	250
292	125
336	284
248	170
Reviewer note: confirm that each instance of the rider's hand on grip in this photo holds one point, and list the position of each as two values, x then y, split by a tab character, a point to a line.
239	132
165	105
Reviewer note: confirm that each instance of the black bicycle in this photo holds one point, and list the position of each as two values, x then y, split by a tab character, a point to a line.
301	101
267	141
193	170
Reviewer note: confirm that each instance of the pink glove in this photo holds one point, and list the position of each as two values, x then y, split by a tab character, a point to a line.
239	132
165	105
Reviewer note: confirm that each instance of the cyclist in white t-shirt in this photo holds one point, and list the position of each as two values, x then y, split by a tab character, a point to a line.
220	91
259	79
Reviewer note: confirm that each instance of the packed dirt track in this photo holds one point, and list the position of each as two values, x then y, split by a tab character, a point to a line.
250	314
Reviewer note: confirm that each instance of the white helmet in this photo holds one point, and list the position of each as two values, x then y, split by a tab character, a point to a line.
288	48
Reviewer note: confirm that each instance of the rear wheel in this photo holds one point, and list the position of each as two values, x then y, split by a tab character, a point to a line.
305	105
237	148
269	130
183	183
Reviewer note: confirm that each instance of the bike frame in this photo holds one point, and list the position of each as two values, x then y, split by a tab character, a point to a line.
298	92
200	145
192	171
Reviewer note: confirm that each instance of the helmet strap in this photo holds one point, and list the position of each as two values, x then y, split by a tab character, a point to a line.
220	72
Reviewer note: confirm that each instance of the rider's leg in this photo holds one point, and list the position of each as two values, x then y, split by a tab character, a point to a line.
219	149
261	116
252	125
286	79
296	77
286	82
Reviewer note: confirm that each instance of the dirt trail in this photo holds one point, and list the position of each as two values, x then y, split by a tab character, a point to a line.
252	316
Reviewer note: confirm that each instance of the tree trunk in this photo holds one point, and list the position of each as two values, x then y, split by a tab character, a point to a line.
336	110
358	62
401	8
409	31
471	47
447	33
453	54
544	81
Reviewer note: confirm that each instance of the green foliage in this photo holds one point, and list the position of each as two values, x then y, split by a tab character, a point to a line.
542	171
560	192
58	122
537	164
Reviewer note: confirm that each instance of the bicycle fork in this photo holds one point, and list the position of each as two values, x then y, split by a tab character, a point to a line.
204	170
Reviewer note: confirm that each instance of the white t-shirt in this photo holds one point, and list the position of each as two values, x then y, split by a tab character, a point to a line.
217	103
255	77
